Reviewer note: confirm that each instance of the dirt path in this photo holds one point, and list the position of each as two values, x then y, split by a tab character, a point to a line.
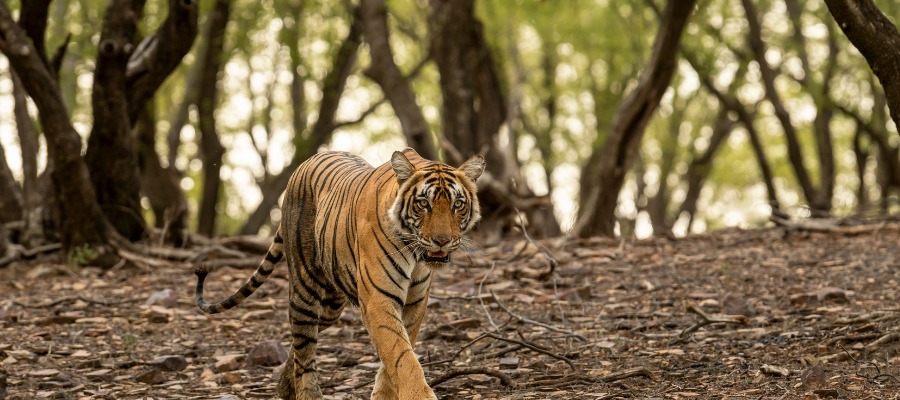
823	308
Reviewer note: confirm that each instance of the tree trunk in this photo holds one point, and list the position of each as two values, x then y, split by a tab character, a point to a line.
160	185
877	39
11	200
210	147
33	233
862	158
307	143
605	171
83	222
701	166
111	154
386	74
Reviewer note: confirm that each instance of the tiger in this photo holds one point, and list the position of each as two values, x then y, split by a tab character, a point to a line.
372	237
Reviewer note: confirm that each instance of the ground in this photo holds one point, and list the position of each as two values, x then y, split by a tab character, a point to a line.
819	305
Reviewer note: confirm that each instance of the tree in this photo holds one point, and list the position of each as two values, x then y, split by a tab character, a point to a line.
604	172
212	60
877	39
82	221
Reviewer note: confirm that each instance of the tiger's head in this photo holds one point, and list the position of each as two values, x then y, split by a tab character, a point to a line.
435	205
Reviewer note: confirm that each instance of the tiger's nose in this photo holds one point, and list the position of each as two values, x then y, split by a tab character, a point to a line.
440	241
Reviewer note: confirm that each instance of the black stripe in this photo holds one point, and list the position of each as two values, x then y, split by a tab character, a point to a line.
421	281
415	302
272	258
246	291
384	292
278	238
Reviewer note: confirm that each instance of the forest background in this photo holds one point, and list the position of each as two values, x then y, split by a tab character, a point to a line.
130	119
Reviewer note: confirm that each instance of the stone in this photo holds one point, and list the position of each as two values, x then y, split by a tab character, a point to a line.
164	298
207	374
233	378
152	376
832	293
229	397
795	289
509	363
808	300
170	363
813	378
257	315
54	385
894	361
81	354
229	362
267	354
735	304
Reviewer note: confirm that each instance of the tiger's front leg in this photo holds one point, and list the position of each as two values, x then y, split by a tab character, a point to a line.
413	315
400	376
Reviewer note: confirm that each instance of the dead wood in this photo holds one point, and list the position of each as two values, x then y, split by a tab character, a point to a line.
504	378
706	319
612	377
533	322
68	299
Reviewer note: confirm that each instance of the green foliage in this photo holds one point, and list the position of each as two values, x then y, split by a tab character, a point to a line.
80	256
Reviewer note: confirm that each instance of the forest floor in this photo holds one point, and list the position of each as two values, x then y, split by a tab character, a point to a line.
813	314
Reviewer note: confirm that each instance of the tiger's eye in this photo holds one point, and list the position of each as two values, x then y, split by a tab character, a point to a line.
422	203
458	204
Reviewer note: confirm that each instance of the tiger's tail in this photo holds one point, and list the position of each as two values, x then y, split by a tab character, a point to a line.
273	256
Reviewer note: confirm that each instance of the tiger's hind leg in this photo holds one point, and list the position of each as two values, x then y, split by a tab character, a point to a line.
299	378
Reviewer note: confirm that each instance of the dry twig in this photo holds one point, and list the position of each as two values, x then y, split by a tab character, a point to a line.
533	322
706	319
504	378
65	299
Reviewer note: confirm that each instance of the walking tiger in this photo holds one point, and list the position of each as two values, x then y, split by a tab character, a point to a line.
371	237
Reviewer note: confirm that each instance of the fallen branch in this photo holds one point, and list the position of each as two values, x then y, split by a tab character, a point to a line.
504	378
831	228
514	341
66	299
483	307
890	337
533	322
708	320
612	377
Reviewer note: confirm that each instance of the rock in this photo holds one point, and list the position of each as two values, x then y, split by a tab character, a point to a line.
206	374
832	293
164	298
256	315
894	361
229	397
229	362
735	304
468	323
813	378
4	315
371	366
509	363
710	303
807	300
827	393
267	354
233	378
44	373
170	363
773	370
151	377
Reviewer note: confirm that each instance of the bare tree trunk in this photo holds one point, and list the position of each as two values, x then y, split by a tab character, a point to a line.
862	158
83	223
396	88
877	39
307	143
159	184
112	155
33	232
701	166
11	200
605	171
210	147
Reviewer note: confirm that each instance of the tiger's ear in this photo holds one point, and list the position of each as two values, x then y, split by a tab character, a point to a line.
473	168
402	167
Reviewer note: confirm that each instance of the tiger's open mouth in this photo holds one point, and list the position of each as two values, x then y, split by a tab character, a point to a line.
437	256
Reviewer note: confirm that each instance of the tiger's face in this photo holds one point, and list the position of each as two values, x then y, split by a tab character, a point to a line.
435	205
